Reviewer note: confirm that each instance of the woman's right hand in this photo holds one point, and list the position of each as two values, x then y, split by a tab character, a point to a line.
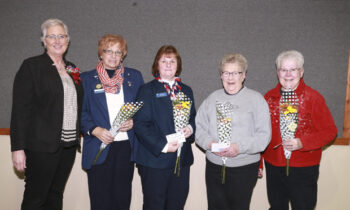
19	160
103	135
173	146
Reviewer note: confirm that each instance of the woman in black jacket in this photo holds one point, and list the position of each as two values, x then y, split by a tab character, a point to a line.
45	120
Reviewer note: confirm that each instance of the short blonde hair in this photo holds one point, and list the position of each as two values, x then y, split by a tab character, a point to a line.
111	39
234	58
290	54
52	22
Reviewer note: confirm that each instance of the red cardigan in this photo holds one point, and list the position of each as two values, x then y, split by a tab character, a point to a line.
315	129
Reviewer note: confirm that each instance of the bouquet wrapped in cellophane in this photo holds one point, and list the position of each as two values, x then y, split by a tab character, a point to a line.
288	120
181	112
224	127
126	112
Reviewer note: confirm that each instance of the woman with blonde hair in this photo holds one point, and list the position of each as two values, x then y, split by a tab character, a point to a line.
301	125
45	121
233	127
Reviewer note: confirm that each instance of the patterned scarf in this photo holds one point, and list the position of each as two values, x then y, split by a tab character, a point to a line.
111	85
172	91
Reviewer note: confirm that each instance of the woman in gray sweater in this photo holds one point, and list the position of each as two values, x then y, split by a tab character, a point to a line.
233	127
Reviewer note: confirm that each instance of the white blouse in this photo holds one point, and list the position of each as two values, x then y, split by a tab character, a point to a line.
114	103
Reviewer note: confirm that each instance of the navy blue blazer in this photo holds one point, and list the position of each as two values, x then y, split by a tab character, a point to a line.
154	121
95	112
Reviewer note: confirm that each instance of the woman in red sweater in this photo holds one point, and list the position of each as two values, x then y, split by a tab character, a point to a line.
301	125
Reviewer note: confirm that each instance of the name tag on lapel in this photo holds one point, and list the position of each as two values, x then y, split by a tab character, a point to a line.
99	91
160	95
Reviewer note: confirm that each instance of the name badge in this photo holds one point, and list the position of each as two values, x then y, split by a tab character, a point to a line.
99	91
159	95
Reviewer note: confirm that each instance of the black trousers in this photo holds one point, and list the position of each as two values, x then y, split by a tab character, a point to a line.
110	183
236	192
299	187
46	176
162	189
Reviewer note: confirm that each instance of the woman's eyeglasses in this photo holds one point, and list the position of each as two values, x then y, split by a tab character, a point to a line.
59	37
227	74
111	52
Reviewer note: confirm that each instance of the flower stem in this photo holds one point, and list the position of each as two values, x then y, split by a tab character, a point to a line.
223	174
287	167
177	166
98	155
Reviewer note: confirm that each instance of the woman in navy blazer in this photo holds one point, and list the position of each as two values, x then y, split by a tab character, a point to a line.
155	157
108	87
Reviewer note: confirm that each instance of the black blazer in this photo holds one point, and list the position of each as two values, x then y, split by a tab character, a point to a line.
37	106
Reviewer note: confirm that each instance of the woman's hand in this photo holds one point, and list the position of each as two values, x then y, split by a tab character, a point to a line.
260	173
292	144
103	135
231	151
19	160
187	131
127	125
210	143
173	146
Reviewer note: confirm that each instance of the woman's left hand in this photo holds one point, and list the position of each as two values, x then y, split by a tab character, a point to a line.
292	144
260	173
187	131
231	151
127	125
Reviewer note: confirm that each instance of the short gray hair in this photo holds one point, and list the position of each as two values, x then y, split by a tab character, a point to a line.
52	22
234	58
290	54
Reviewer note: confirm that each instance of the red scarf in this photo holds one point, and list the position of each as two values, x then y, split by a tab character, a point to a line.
110	85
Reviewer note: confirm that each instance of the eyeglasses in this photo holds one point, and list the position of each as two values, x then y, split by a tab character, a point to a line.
111	52
60	37
227	74
289	70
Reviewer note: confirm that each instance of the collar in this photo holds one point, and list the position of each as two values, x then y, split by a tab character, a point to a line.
171	83
234	93
300	89
45	55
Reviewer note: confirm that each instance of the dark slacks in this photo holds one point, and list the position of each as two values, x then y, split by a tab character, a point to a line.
300	187
110	182
46	176
236	192
162	189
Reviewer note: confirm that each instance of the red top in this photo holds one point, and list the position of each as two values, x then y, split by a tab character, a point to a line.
315	129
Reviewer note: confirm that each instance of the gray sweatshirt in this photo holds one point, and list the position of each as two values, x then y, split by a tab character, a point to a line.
251	126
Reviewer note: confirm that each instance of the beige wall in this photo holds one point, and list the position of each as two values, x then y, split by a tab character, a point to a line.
334	183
